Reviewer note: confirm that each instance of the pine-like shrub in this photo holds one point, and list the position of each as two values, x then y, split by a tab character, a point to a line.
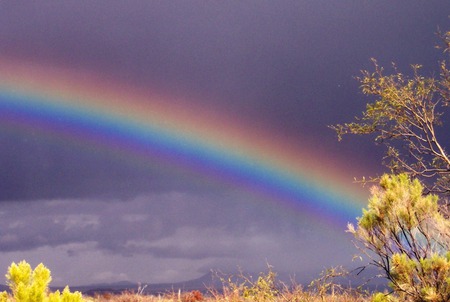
28	285
404	233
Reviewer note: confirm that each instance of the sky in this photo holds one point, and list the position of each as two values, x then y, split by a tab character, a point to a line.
153	141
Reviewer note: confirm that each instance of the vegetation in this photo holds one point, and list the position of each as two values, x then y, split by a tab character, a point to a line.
406	116
27	285
405	235
405	231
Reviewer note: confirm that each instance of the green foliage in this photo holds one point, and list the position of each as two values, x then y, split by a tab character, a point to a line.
404	116
264	289
380	297
402	231
66	296
4	296
244	288
29	285
404	234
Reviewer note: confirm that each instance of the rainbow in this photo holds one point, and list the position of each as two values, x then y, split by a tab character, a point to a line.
92	111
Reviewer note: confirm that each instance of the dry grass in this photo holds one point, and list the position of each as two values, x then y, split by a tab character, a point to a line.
244	289
297	295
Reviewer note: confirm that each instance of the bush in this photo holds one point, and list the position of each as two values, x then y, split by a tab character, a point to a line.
65	296
404	234
29	285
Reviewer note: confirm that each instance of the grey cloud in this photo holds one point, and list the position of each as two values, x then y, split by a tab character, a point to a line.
163	226
112	223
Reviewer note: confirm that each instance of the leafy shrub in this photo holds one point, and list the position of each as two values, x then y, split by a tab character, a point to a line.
29	285
244	288
405	235
380	297
264	289
65	296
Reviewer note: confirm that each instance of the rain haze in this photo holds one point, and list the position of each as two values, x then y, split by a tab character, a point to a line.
265	73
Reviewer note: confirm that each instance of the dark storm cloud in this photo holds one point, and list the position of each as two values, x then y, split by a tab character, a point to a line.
283	60
286	66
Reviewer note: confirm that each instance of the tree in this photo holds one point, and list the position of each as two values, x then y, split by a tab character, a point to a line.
405	116
404	231
405	235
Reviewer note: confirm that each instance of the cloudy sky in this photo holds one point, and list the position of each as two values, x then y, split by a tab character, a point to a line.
281	69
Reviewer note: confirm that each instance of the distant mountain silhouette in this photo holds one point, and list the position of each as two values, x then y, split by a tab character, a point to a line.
202	284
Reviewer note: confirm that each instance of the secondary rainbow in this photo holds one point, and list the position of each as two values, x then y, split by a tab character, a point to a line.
93	111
